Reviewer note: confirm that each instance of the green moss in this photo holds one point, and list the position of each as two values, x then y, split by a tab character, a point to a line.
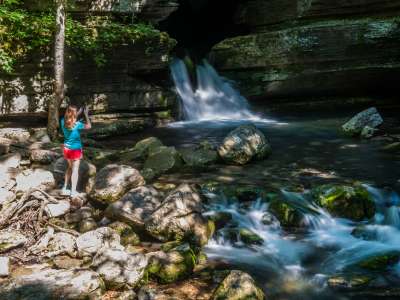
380	261
287	216
250	238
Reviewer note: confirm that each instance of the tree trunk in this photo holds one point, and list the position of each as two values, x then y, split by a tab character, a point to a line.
57	99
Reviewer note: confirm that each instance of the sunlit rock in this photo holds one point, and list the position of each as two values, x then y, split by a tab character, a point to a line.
238	285
91	242
37	178
369	118
113	181
179	217
244	144
351	202
119	268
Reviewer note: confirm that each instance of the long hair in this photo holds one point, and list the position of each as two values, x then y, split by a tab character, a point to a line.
70	116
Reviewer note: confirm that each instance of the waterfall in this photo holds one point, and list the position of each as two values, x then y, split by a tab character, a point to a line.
214	98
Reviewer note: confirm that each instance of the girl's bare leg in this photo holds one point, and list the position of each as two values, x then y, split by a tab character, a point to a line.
75	175
68	173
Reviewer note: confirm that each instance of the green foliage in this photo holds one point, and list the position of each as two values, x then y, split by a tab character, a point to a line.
22	31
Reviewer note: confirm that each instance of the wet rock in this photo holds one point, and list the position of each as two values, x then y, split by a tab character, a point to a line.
135	206
349	281
119	268
10	239
365	233
128	236
144	147
66	262
220	219
163	159
244	144
4	266
15	134
287	215
43	282
113	181
368	132
6	196
250	238
87	174
37	178
91	242
369	117
179	217
55	210
42	156
381	261
199	157
171	266
392	148
87	225
351	202
238	285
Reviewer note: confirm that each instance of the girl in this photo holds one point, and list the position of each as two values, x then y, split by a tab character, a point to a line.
71	128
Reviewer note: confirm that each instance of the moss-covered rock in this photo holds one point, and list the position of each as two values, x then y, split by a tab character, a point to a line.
381	261
162	160
199	157
287	215
128	236
238	286
250	238
173	265
351	202
220	219
142	148
349	281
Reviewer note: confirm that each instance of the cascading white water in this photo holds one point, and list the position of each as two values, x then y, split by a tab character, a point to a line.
283	254
213	99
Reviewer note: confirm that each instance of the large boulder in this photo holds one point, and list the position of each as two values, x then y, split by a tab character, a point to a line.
87	174
369	118
43	156
119	268
238	285
244	144
37	178
172	265
162	160
351	202
135	206
179	217
40	282
91	242
113	181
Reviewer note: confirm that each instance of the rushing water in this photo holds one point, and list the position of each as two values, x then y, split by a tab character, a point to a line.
214	97
305	260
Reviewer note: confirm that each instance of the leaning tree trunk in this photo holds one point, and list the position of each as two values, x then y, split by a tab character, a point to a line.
55	102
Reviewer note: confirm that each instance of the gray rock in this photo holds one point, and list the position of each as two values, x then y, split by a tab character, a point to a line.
10	239
199	157
238	285
87	174
244	144
368	132
6	196
37	178
8	161
179	216
87	225
79	215
144	147
91	242
55	210
16	134
4	266
43	282
4	145
369	117
40	135
61	243
135	206
113	181
119	268
43	156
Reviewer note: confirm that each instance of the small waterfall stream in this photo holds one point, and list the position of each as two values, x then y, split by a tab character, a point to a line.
329	242
214	97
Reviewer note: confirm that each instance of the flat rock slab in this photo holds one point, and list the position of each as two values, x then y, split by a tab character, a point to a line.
10	239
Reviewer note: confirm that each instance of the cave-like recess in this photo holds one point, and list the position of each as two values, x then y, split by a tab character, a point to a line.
199	24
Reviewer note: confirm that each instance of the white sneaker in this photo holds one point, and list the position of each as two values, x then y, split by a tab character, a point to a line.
65	192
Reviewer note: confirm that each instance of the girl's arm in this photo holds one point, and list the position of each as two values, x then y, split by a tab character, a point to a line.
88	124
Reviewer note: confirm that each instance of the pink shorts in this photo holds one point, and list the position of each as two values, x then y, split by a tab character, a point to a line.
72	154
